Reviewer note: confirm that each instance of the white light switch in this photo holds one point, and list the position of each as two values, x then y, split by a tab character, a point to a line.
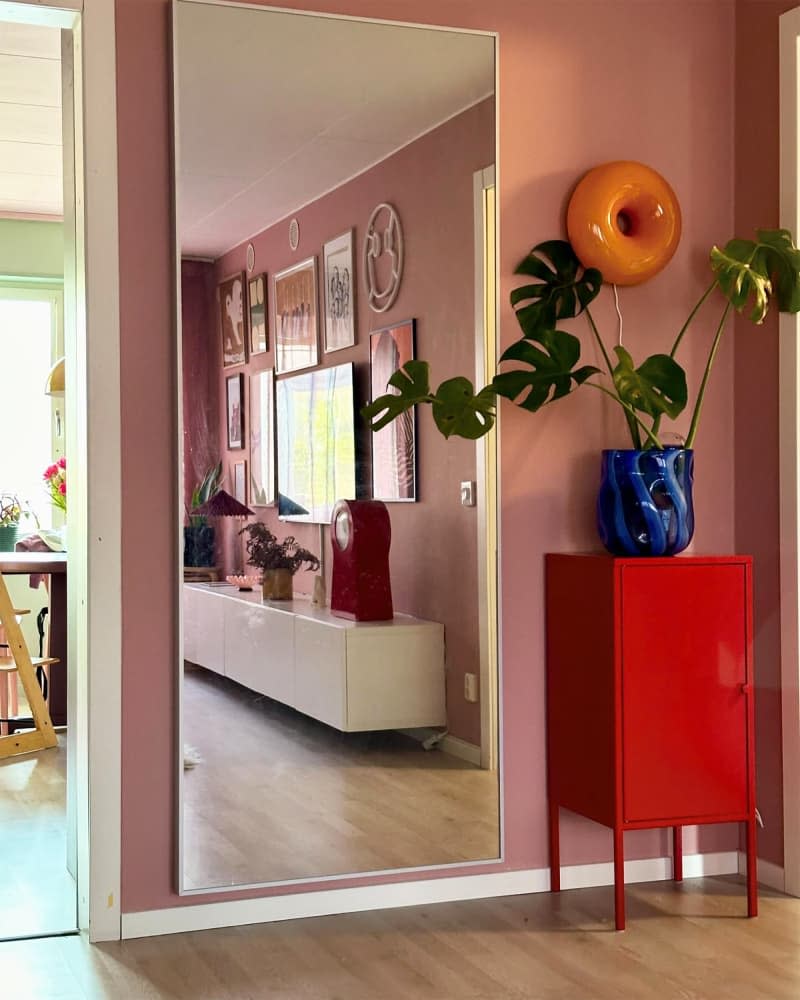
468	494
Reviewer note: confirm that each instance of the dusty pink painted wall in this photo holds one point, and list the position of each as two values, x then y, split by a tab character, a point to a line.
580	83
434	541
756	391
200	379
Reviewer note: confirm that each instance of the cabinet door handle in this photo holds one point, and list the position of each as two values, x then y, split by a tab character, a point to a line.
746	689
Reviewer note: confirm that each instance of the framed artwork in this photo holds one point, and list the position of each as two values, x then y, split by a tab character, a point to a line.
394	447
294	306
262	439
339	282
234	395
257	305
240	481
230	294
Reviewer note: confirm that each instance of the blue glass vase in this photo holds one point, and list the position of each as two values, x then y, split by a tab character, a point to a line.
644	507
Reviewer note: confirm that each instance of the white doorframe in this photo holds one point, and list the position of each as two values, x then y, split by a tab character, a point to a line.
789	396
91	285
484	193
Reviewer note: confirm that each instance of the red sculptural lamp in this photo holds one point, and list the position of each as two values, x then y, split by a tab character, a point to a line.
361	534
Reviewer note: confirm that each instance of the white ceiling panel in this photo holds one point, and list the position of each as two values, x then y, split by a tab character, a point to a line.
294	105
29	40
22	123
30	121
30	158
24	80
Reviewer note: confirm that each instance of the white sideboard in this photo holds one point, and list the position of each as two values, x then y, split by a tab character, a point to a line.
354	676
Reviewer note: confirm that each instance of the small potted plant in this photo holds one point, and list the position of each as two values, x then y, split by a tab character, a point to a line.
12	510
278	561
198	534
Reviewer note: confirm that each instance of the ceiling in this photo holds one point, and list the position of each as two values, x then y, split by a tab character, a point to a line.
275	109
30	121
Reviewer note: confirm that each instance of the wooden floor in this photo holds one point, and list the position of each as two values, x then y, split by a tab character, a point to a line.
689	942
37	895
280	796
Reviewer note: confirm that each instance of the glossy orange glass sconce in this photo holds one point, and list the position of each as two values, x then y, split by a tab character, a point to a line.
625	220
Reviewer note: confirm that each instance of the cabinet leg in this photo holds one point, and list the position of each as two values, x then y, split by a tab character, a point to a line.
619	880
752	875
555	852
677	853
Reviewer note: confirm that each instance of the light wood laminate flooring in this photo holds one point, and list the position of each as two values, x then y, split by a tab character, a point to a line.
37	894
280	796
684	942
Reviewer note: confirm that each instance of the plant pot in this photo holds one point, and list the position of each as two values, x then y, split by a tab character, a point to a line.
8	537
198	545
277	585
644	507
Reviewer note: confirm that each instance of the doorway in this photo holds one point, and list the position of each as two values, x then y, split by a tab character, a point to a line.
86	35
35	847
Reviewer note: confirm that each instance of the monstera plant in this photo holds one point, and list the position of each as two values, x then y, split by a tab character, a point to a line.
644	505
544	364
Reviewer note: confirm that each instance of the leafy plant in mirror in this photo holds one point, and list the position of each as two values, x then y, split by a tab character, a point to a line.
750	276
208	486
265	551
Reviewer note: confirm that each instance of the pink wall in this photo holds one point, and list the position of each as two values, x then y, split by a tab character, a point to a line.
434	541
580	83
200	380
756	391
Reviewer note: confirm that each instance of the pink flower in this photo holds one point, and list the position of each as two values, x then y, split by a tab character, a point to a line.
50	471
62	463
62	489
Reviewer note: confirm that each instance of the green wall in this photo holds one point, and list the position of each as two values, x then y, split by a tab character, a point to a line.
31	249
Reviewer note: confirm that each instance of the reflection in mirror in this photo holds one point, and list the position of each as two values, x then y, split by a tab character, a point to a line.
361	737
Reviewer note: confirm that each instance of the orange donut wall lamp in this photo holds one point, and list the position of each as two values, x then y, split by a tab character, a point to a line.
625	220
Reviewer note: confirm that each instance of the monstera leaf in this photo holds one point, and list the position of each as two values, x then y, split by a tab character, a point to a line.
412	382
458	411
745	270
552	358
564	288
657	386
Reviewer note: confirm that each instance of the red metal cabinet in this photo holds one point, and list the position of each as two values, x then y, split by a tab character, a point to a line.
649	698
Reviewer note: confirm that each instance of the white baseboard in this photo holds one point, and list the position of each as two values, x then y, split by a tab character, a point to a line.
205	916
768	874
460	748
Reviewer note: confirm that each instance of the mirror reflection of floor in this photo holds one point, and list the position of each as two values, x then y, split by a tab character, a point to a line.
280	796
37	894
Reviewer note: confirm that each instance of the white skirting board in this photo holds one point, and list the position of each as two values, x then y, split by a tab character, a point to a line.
457	747
238	912
768	874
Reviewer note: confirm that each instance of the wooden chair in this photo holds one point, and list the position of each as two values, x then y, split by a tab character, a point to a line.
18	661
9	695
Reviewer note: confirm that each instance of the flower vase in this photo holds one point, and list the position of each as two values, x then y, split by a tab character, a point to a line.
644	507
8	537
277	585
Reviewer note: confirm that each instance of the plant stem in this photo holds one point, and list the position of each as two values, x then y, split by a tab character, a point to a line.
679	338
630	415
702	391
691	316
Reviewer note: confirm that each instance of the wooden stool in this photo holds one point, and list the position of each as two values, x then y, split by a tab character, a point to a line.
9	694
19	662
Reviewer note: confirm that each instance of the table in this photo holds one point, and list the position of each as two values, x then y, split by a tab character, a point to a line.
54	565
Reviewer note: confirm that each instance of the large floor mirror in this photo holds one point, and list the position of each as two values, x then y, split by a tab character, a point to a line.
334	192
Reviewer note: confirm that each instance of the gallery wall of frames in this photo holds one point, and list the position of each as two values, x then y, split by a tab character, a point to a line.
265	315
